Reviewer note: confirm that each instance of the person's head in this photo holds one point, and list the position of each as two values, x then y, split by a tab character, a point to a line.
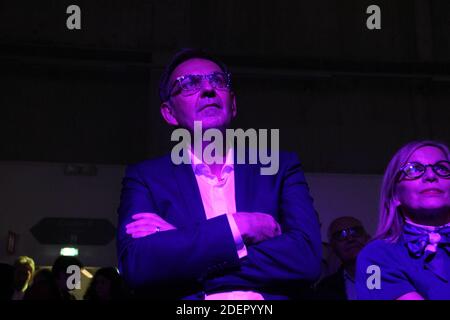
60	268
196	86
347	237
415	186
23	272
44	287
107	284
6	281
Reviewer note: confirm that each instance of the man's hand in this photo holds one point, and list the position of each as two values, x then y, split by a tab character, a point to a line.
256	226
147	223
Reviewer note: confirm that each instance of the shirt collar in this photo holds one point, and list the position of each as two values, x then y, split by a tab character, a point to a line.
201	168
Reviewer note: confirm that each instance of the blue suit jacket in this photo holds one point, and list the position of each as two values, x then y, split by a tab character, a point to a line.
200	255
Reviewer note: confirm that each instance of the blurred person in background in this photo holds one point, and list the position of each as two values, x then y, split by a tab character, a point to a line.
6	281
44	287
107	284
61	274
347	237
24	268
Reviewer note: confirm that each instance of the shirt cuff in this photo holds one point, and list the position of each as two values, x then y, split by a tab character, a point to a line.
240	246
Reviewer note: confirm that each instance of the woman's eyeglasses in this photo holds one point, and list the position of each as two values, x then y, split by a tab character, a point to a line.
415	170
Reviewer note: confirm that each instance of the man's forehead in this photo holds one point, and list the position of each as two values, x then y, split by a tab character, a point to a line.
194	66
344	223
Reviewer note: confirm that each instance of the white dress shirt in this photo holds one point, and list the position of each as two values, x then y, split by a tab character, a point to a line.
218	197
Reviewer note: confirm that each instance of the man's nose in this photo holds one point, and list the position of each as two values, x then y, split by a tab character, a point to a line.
207	90
349	238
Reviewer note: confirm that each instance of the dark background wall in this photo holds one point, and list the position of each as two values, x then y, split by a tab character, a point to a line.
343	96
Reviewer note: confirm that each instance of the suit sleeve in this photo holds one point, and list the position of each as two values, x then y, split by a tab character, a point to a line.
295	255
170	257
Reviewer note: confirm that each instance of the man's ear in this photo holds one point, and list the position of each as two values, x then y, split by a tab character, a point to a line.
168	114
233	105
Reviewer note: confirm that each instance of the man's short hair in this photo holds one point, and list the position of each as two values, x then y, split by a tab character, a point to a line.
62	263
180	57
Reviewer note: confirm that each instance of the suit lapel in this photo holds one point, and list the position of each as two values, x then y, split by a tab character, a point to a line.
189	192
244	183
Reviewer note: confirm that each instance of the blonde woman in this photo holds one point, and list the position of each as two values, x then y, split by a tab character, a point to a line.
409	258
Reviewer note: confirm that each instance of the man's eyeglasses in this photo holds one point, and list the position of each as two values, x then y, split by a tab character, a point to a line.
191	83
344	234
415	170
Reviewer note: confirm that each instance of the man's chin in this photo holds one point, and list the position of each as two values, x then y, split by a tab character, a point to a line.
213	123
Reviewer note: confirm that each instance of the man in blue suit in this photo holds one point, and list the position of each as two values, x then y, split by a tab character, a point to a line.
214	231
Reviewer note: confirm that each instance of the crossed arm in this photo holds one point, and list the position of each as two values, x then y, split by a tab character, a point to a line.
253	226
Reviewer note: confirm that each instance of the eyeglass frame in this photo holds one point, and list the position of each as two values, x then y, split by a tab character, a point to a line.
425	166
360	232
204	76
